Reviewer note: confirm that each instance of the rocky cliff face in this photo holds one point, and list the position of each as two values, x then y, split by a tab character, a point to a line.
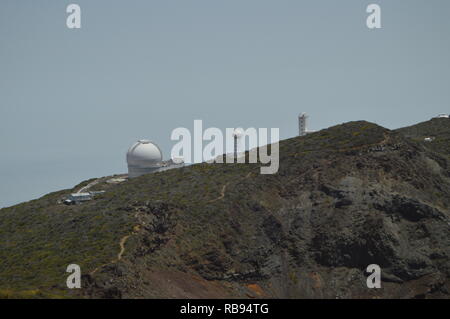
344	198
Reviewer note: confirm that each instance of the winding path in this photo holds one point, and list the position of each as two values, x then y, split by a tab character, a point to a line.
137	228
85	188
223	190
122	243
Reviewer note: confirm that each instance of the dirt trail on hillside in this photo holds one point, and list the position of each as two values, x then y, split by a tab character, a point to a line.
137	228
88	186
122	243
222	194
224	188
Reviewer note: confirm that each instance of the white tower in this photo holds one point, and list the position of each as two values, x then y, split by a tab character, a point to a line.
235	146
302	121
237	134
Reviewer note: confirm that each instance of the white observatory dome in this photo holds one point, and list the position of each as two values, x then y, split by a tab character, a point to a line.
143	157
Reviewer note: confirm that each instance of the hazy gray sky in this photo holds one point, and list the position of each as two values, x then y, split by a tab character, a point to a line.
73	101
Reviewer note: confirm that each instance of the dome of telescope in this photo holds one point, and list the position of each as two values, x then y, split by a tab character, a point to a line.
143	155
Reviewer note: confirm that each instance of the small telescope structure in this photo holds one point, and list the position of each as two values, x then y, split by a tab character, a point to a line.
237	134
302	125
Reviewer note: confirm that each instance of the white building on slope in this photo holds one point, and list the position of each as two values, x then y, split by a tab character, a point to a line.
145	157
302	125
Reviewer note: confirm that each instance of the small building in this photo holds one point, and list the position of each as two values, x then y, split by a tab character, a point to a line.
442	116
170	164
117	180
77	198
94	193
81	197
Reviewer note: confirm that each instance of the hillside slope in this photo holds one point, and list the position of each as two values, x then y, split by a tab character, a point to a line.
345	197
437	128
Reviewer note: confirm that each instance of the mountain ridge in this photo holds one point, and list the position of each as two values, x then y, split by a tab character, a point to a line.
344	197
